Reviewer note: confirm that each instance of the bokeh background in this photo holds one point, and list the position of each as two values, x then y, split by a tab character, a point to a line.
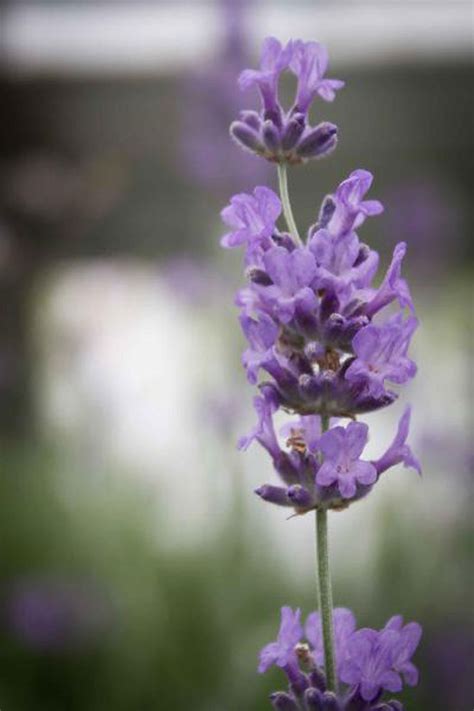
137	569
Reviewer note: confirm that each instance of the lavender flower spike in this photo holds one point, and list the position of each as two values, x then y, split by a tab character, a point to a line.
322	347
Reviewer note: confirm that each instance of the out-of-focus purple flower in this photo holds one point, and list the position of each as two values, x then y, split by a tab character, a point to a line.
193	281
222	411
282	651
408	641
449	660
283	702
54	614
381	354
427	210
375	660
286	136
251	218
342	449
369	662
208	104
344	626
399	450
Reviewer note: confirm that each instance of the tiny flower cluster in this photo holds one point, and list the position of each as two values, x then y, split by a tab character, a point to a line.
368	663
281	136
315	324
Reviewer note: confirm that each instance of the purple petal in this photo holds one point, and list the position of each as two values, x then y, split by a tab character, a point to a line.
391	681
410	673
346	486
357	434
364	472
369	690
326	475
268	656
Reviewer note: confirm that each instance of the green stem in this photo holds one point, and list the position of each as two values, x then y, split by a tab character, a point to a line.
325	589
285	200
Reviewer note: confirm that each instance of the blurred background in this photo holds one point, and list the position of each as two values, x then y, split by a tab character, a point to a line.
138	570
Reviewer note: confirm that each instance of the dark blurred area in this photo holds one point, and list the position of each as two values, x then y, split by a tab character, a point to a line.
137	570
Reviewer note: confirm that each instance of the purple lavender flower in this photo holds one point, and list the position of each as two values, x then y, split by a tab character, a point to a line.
342	449
408	641
399	451
344	626
281	136
309	62
263	432
282	651
275	58
381	354
283	702
369	662
336	481
291	274
316	303
261	334
375	659
50	614
393	286
252	219
350	210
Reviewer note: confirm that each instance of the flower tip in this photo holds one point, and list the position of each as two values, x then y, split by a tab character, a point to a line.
243	443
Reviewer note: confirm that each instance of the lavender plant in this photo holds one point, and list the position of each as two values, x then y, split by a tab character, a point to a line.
330	350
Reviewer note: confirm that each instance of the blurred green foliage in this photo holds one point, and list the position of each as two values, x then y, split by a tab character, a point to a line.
182	627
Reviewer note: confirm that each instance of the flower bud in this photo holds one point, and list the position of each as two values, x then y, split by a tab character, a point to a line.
246	137
313	699
319	141
252	119
293	132
274	494
258	276
271	137
283	702
300	496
